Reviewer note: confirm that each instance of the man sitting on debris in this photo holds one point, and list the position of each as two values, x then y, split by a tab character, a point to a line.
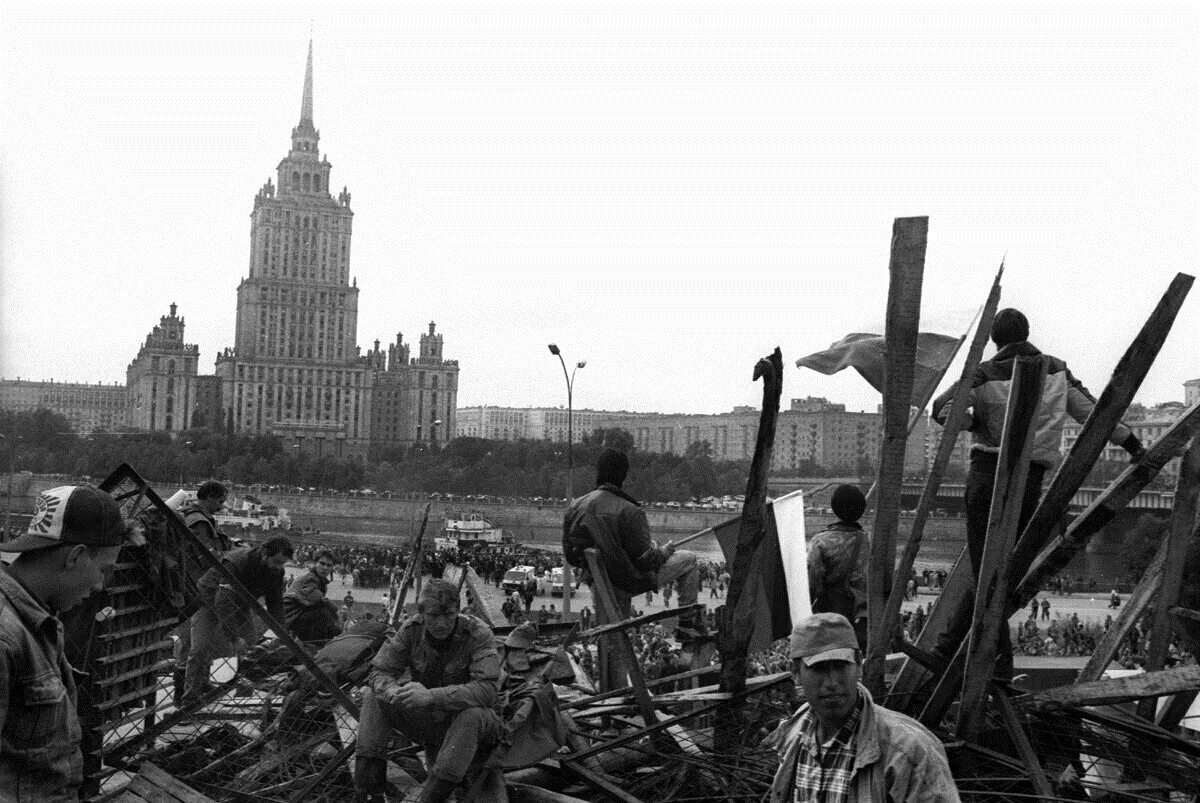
436	682
311	617
840	745
838	559
1062	395
225	624
613	522
72	541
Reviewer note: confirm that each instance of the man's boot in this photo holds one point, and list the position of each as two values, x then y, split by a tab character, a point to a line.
436	790
370	779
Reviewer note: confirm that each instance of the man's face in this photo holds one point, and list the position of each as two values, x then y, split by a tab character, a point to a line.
831	688
324	566
82	572
439	621
212	505
275	562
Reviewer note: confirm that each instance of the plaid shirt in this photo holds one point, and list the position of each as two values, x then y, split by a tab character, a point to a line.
823	772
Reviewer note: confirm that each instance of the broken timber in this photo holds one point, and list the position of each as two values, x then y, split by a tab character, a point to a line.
1116	690
906	270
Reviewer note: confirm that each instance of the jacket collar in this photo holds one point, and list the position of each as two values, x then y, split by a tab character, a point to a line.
867	747
844	526
1013	350
616	489
32	610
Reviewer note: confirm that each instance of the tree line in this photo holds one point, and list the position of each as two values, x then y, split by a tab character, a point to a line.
43	442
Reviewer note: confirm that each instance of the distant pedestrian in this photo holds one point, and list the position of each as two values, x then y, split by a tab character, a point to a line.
1033	608
1114	601
1046	608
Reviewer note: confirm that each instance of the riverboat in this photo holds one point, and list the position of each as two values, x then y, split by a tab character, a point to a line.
471	532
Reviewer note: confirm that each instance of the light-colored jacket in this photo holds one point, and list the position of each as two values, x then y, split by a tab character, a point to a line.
898	759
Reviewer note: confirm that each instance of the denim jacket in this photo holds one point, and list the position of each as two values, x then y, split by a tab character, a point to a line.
40	758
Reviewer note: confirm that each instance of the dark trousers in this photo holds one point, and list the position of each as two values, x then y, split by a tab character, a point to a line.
981	484
451	739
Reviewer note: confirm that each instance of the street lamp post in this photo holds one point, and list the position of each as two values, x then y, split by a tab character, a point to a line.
568	574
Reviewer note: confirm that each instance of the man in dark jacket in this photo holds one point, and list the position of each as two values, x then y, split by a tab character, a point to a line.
225	624
311	617
838	560
436	682
1062	395
614	523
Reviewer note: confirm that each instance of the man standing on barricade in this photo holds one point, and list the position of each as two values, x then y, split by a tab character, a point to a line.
225	624
436	682
311	617
198	516
73	539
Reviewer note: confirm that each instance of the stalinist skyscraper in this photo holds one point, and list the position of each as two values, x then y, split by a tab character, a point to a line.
294	369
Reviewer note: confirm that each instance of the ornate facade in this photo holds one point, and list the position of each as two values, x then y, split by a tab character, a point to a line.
413	399
160	383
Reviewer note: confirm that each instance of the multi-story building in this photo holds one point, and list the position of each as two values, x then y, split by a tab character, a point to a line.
160	383
414	399
536	423
813	430
1191	392
87	408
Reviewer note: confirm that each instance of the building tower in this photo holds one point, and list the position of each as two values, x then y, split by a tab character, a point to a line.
160	383
414	399
294	369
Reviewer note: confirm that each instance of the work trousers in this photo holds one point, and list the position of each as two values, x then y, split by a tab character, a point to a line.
981	484
451	739
208	642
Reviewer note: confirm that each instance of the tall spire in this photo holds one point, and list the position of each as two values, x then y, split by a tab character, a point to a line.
306	105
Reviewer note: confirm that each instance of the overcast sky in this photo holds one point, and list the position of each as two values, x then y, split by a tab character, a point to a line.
669	194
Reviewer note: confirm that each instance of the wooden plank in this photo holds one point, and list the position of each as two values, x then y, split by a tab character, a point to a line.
625	690
1119	493
1131	611
1184	613
1117	690
626	660
905	270
991	592
955	420
735	622
167	782
638	621
1113	402
1179	539
603	782
959	587
1175	710
1012	724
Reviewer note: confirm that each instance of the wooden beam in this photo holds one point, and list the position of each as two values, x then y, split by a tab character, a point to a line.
638	621
954	424
1016	732
1184	613
1179	539
991	591
1117	690
735	623
906	271
626	663
1113	402
1110	643
1120	493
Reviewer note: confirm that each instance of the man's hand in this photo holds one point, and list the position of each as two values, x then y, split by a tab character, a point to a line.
412	695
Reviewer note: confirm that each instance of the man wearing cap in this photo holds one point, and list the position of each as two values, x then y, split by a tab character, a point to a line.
840	745
613	522
436	682
1062	395
72	542
838	559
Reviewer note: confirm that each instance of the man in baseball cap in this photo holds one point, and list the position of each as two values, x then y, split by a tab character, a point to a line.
840	744
70	546
65	555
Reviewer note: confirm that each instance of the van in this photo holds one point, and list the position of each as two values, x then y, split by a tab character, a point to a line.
516	577
556	581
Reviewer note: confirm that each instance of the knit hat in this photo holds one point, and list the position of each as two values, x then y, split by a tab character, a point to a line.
72	514
1009	326
823	637
848	502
